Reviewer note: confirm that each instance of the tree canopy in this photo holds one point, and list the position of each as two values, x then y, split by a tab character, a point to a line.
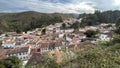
11	62
90	33
30	20
100	17
75	25
118	25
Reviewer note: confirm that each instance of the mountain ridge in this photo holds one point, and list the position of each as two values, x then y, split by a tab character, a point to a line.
28	20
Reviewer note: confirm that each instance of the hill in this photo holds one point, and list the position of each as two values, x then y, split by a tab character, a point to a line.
73	15
29	20
100	17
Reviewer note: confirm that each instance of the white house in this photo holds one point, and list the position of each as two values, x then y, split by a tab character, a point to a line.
50	27
30	32
82	35
57	30
61	35
93	28
58	25
22	53
68	39
69	30
1	36
8	44
105	37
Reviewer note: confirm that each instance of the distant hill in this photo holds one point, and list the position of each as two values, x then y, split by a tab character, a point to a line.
29	20
73	15
100	17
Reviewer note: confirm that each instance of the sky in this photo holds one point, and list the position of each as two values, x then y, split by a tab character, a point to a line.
59	6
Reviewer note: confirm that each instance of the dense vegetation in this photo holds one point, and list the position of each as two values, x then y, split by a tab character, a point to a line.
94	56
99	57
11	62
100	17
118	26
91	33
75	25
102	55
28	20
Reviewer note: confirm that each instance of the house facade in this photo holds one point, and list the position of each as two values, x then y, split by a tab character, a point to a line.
22	53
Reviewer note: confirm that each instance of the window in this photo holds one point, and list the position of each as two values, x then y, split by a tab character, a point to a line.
11	55
7	55
20	53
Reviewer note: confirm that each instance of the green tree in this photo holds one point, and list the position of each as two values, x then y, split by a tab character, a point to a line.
96	57
75	25
63	26
18	31
115	40
11	62
118	26
1	32
90	20
90	33
99	17
51	63
43	31
0	43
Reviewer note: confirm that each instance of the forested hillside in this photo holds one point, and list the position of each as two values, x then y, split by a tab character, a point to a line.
28	20
100	17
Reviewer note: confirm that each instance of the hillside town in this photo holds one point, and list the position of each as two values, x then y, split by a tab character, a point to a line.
59	33
27	45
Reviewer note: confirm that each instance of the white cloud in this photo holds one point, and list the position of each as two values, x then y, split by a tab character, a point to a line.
117	3
47	6
51	6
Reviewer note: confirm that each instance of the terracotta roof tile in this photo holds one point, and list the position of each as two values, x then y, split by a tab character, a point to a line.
17	50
